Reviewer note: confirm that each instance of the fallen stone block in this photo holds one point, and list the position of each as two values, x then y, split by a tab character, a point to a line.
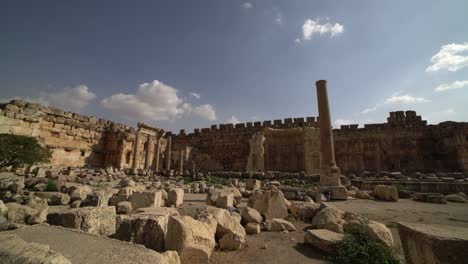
175	197
430	198
278	224
124	207
250	215
252	228
323	239
270	204
329	218
18	213
232	241
54	198
385	193
456	198
146	199
433	244
94	220
192	239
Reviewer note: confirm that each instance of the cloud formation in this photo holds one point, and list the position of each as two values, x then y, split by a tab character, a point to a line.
405	99
196	95
450	58
451	86
247	5
155	101
339	122
368	110
233	120
69	98
313	27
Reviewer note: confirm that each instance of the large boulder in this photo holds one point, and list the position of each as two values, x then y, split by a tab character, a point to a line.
227	222
18	213
98	198
323	239
146	199
456	198
232	241
175	197
250	215
385	193
329	218
94	220
3	209
194	240
42	208
225	200
304	210
433	244
270	204
252	184
278	224
252	228
430	198
380	233
79	192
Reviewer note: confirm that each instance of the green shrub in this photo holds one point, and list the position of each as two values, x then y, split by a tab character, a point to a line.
357	248
17	151
51	186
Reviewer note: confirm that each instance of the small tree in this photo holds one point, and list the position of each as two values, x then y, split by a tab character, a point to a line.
18	151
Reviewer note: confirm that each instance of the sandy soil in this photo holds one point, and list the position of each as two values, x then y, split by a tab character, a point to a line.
289	247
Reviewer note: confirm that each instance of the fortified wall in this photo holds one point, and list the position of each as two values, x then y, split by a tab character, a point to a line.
78	140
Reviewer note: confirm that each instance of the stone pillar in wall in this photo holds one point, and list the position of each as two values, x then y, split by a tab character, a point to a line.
256	159
330	173
181	162
136	153
149	144
168	153
156	155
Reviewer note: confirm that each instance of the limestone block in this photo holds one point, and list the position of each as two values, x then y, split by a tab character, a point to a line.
193	240
175	197
225	200
232	241
252	228
456	198
252	184
304	210
250	215
18	213
323	239
94	220
278	224
124	207
227	222
3	209
385	193
146	199
270	204
433	244
329	218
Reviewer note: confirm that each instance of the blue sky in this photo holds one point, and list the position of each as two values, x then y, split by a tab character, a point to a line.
189	64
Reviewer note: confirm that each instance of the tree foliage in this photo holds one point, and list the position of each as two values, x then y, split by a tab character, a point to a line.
19	151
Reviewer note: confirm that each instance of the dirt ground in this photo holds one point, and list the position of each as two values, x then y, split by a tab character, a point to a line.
277	247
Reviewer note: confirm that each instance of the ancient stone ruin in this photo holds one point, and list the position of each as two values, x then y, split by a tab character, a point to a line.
229	193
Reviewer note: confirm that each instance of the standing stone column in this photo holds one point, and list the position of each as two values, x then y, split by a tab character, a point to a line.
136	152
168	153
156	156
149	144
181	162
330	173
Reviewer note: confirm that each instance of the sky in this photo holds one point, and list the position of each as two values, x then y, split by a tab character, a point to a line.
190	64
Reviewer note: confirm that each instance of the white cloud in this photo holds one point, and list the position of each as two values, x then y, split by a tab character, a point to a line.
206	111
279	18
368	110
449	58
297	40
69	98
340	122
451	86
247	5
313	27
405	99
233	120
155	101
196	95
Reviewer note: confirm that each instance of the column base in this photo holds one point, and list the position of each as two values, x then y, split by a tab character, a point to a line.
334	192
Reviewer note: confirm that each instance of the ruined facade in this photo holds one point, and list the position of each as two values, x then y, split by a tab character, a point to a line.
404	143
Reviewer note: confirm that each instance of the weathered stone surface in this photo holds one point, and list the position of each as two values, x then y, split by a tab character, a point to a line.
456	198
379	232
232	241
323	239
147	230
94	220
15	250
18	213
226	222
430	198
84	248
385	193
40	205
270	204
79	192
175	197
3	209
193	240
250	215
146	199
98	198
329	218
54	198
124	207
433	244
304	210
361	195
252	184
252	228
278	224
225	200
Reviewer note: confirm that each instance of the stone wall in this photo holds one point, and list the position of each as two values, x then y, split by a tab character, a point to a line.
75	140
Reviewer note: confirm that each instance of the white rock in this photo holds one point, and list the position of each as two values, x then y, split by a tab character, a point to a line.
323	239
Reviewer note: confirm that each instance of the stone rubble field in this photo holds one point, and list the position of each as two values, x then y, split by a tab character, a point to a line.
78	215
